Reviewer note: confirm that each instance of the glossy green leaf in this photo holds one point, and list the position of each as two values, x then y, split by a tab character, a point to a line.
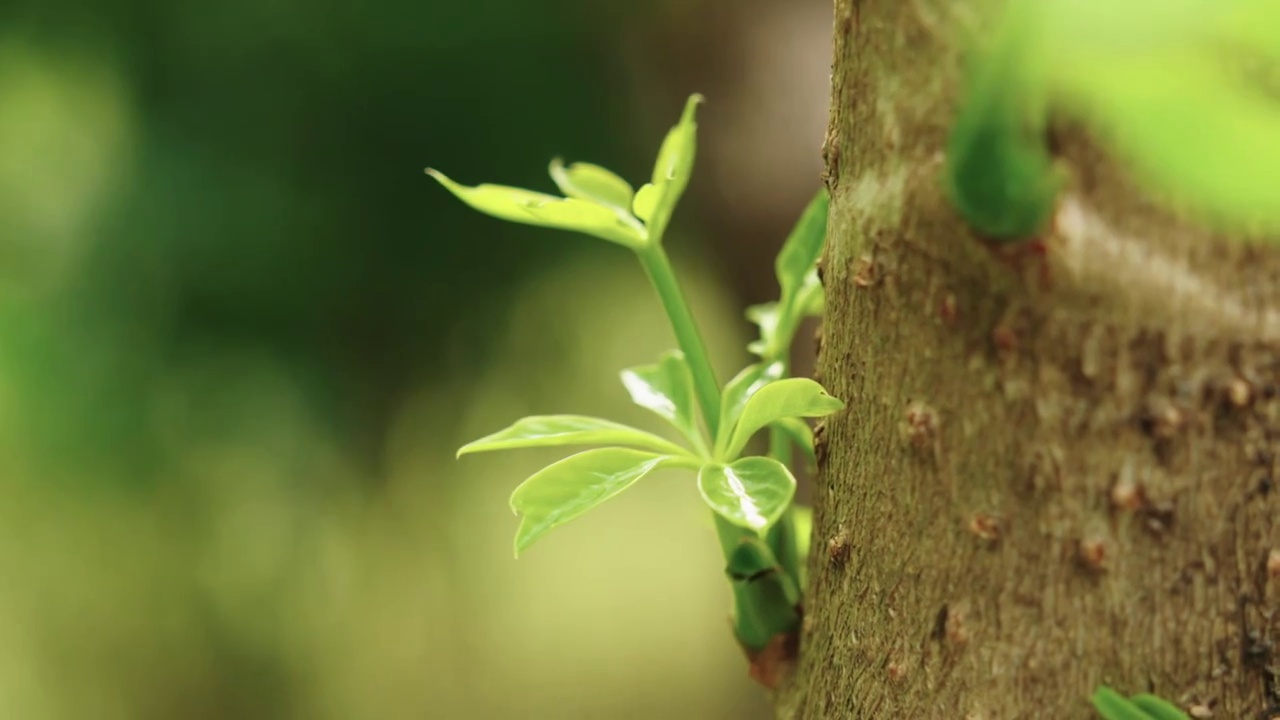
792	397
751	492
592	182
738	390
666	388
672	169
561	492
560	430
799	433
532	208
1113	706
1158	708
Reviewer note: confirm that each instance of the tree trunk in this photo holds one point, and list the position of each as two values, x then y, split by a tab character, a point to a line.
1051	474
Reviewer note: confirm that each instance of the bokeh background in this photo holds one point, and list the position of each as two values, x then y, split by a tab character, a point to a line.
241	335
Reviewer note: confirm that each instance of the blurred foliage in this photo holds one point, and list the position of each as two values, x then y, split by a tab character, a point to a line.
240	336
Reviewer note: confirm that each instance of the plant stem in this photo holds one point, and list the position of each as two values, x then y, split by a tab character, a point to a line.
658	267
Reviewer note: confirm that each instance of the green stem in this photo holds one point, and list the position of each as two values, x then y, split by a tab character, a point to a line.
658	267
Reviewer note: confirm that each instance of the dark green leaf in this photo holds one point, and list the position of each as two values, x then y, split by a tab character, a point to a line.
561	492
792	397
559	430
751	492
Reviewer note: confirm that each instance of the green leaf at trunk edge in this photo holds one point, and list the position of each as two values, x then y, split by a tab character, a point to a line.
562	491
751	493
799	432
1113	706
792	397
560	430
1158	708
740	389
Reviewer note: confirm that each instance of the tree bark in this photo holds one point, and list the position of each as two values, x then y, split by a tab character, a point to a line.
1052	474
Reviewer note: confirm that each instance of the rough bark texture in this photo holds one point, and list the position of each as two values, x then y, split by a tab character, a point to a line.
1038	486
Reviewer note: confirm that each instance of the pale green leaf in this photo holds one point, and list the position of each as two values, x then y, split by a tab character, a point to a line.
766	316
802	521
673	168
666	388
751	492
532	208
792	397
560	430
592	182
561	492
738	390
646	201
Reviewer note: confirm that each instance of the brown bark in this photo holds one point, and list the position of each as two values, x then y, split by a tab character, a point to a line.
1037	487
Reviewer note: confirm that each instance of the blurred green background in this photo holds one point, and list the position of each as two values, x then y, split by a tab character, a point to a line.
241	335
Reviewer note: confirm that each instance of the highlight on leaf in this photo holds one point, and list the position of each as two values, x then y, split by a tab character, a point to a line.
751	492
789	398
560	430
534	208
667	389
565	490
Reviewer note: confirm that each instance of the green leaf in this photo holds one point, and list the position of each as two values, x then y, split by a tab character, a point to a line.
672	169
560	430
752	492
646	201
666	388
802	521
561	492
592	182
799	432
767	316
800	253
1158	708
533	208
765	598
1113	706
792	397
740	389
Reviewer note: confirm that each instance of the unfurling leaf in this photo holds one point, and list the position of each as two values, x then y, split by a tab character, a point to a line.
751	492
671	171
792	397
666	388
561	492
738	390
560	430
533	208
592	182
